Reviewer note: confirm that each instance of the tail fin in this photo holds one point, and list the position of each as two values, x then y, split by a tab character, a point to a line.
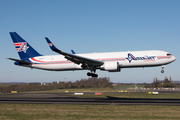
24	50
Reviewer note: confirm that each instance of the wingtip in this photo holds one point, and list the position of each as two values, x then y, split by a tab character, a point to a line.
12	32
51	45
47	39
73	52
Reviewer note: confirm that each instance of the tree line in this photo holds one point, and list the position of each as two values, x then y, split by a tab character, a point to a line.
166	83
83	83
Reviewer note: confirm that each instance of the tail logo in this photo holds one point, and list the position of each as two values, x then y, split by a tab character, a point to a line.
21	47
50	44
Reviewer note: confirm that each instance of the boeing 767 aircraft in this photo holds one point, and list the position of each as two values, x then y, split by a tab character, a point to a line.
107	61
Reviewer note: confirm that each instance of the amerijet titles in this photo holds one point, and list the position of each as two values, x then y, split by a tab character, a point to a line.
131	57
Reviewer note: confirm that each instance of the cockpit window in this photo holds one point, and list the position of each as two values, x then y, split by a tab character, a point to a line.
169	54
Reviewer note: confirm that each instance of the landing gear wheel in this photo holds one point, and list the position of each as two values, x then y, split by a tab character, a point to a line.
96	75
92	75
162	71
88	74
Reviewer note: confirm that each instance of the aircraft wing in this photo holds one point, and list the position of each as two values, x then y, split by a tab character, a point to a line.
86	62
20	61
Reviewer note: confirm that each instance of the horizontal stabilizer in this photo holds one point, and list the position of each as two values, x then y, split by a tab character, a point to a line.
20	61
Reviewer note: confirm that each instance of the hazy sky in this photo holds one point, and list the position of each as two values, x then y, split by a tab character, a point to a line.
90	26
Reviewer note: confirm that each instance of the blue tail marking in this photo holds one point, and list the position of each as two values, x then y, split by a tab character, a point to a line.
23	48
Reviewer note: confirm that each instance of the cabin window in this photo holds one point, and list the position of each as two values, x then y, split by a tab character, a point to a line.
169	54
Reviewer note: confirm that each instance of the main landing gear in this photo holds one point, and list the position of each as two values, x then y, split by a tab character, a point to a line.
92	74
162	71
93	71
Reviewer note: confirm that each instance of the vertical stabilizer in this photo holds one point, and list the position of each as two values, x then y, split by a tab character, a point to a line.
23	48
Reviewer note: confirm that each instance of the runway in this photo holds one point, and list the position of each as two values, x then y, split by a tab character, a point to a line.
64	98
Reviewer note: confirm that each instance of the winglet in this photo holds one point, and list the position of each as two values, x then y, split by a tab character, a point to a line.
73	52
52	46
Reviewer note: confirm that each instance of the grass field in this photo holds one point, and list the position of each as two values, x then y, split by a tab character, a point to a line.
79	90
87	112
127	86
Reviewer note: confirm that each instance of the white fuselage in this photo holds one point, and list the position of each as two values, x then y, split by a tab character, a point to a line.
127	59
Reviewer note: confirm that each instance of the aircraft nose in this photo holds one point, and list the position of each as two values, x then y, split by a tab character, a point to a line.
173	58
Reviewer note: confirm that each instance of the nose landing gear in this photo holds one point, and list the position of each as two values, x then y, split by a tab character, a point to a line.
162	71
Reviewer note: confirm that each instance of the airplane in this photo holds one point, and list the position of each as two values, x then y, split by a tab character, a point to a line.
107	61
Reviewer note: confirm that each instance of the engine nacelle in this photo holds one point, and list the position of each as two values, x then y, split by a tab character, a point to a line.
111	67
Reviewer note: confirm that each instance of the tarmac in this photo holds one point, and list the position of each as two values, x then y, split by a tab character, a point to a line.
78	98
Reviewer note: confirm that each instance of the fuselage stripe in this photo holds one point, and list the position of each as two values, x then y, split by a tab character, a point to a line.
164	57
67	61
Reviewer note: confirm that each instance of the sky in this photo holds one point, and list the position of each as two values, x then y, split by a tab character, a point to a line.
88	26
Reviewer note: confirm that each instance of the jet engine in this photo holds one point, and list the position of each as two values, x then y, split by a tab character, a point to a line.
111	67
